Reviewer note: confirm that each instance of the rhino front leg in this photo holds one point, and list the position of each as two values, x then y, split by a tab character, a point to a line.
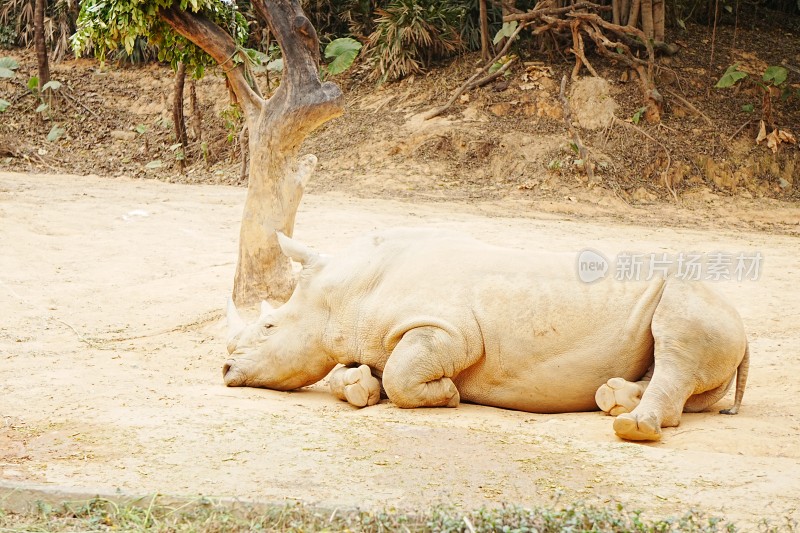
419	370
355	385
618	395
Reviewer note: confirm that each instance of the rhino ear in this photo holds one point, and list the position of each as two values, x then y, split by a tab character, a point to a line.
299	252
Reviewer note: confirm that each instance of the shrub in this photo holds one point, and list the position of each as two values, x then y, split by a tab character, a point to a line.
411	34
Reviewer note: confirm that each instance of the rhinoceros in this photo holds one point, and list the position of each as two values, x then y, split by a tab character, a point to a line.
440	317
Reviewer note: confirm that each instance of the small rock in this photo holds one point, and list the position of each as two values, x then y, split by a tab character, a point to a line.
592	104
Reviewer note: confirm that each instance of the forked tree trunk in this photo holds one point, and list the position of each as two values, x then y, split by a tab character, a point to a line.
276	128
39	42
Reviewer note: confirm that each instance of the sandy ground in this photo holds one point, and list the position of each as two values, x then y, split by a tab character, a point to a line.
111	343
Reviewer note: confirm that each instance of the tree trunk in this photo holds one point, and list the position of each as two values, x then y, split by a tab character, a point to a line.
178	121
658	20
39	43
276	129
624	11
484	20
647	18
196	120
633	14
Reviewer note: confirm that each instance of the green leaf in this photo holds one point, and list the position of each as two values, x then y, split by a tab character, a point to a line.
506	31
731	77
53	85
42	108
6	72
33	83
681	23
276	65
4	104
338	47
497	65
574	148
637	116
776	75
9	62
748	108
344	52
175	147
141	129
55	133
728	8
156	163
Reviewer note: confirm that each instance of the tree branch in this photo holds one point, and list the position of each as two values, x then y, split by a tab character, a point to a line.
219	45
301	90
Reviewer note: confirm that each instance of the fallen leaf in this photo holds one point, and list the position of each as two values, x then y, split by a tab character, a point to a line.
762	133
773	141
786	136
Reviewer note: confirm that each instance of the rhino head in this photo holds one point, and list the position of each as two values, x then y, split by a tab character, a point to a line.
282	349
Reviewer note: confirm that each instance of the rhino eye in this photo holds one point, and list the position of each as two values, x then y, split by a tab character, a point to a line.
268	326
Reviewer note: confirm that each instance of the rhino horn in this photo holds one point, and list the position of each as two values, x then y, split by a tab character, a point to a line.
235	321
266	308
299	252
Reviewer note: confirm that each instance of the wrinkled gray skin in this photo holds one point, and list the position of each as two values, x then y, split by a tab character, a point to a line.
441	318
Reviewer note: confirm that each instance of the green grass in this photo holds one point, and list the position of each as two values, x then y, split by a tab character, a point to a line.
208	516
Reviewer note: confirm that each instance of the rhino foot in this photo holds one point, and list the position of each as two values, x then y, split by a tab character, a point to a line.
630	426
618	396
361	388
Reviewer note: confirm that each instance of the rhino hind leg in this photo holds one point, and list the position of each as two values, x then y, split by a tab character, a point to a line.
698	343
356	385
618	396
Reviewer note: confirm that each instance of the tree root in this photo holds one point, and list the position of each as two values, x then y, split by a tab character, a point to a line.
613	41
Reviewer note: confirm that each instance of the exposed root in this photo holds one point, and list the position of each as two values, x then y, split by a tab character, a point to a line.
614	41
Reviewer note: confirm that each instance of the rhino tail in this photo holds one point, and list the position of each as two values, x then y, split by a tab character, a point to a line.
741	382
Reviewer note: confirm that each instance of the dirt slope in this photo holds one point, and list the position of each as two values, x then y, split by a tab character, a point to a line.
111	344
